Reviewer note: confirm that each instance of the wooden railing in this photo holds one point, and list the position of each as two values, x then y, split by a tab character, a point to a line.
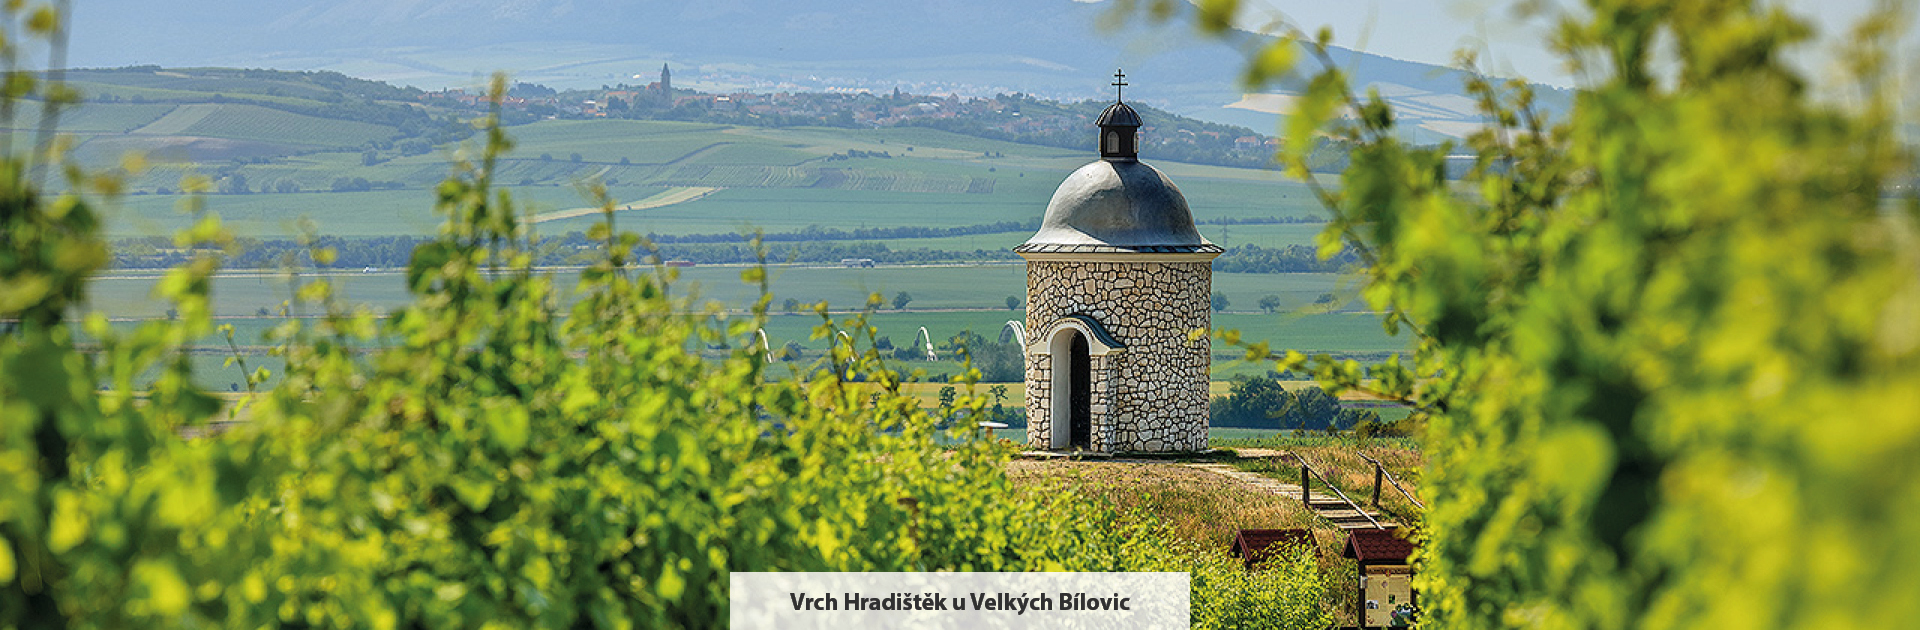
1379	471
1306	491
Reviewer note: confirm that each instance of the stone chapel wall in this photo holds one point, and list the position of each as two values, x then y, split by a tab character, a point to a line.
1156	399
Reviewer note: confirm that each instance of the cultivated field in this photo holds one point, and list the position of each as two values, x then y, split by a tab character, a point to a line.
95	118
773	179
671	178
252	122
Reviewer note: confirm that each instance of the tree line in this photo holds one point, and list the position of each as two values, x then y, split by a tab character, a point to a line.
818	233
1287	259
1260	402
573	248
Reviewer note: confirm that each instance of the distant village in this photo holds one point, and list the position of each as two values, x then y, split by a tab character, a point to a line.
1012	117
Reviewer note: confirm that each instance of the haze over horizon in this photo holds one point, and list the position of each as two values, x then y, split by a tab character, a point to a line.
1048	48
124	32
1512	45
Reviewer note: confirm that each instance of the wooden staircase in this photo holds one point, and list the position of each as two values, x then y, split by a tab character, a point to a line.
1336	508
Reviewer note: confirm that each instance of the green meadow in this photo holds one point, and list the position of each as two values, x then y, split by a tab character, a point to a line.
1335	332
242	121
979	287
761	179
771	179
1342	332
406	212
96	117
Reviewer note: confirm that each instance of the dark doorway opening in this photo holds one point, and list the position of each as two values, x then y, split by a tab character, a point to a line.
1082	392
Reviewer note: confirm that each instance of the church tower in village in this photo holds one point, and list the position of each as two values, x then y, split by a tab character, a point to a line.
1117	277
666	83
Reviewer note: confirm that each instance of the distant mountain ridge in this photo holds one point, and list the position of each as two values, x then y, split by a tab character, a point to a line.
1050	48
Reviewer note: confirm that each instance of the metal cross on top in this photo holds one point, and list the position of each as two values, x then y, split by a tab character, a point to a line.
1119	83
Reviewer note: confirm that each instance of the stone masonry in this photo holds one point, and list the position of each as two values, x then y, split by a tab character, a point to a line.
1153	395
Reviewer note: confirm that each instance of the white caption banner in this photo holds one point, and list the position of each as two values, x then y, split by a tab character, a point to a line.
841	601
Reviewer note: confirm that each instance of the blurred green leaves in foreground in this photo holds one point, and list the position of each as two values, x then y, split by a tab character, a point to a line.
490	461
1669	347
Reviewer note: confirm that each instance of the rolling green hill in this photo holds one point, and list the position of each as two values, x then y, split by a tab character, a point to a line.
241	121
360	157
213	118
778	179
308	147
96	117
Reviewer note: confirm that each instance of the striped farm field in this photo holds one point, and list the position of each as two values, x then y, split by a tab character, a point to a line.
775	179
781	210
649	142
909	142
734	176
252	122
735	149
895	181
94	117
177	121
350	214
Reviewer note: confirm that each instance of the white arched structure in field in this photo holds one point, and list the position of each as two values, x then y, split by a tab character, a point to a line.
927	341
1015	332
852	356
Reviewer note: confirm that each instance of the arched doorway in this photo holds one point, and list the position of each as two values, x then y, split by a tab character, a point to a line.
1071	345
1081	386
1072	390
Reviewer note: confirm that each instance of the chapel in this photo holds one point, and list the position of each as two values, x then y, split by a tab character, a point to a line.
1117	279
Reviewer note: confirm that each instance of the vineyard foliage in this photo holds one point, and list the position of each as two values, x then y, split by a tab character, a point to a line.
1669	357
479	458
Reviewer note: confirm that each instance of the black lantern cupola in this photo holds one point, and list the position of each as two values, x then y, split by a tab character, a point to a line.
1119	127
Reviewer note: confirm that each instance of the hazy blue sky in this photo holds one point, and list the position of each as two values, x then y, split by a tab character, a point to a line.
435	43
1427	31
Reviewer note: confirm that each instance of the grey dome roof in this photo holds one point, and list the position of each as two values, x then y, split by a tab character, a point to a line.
1118	115
1114	206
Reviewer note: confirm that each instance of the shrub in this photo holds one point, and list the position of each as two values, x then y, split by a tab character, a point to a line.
1260	402
1667	347
1285	593
496	462
997	362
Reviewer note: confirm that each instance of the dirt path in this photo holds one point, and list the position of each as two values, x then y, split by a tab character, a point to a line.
676	195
